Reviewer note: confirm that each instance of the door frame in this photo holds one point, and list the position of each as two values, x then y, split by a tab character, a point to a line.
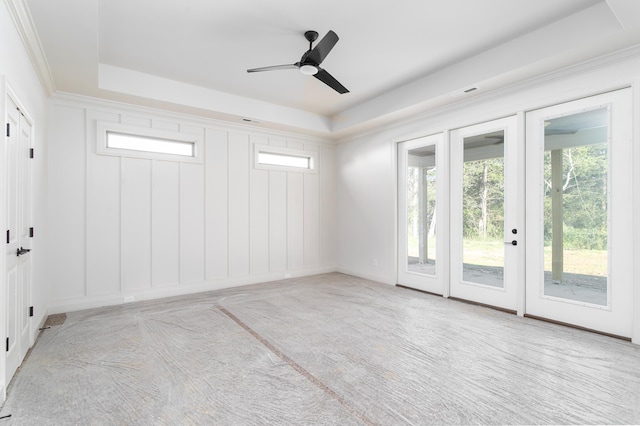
635	337
3	258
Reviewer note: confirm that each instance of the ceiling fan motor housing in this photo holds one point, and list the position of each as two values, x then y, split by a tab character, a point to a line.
311	36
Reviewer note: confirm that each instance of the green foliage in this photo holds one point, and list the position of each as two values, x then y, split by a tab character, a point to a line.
585	238
584	188
584	193
483	191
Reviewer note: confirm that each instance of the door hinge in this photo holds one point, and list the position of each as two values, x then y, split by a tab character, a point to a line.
30	311
8	129
31	232
31	153
7	345
8	236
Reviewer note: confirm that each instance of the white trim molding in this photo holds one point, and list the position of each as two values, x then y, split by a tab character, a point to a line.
26	29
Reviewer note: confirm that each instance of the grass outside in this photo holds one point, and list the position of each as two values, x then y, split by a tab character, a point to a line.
413	251
588	262
491	253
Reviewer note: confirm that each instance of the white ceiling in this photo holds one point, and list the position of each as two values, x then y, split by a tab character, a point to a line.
396	57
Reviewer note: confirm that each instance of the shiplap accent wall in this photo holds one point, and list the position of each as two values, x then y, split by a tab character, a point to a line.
150	228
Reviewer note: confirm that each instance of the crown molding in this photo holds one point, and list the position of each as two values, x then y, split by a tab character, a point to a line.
118	107
593	65
26	29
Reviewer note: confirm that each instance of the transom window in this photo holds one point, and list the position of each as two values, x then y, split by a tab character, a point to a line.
276	158
149	144
130	141
284	160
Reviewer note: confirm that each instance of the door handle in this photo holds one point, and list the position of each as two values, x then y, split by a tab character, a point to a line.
21	251
513	243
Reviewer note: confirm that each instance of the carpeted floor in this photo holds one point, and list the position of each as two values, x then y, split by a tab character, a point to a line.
328	349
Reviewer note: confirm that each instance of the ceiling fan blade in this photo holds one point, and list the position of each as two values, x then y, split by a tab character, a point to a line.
328	79
323	48
274	68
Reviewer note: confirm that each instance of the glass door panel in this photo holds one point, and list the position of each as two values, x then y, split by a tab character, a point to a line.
485	211
420	204
579	263
421	210
575	206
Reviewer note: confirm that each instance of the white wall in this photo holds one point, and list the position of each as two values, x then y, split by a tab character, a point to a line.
18	74
151	228
366	165
366	208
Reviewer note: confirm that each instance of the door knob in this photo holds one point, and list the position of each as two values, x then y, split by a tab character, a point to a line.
513	243
21	251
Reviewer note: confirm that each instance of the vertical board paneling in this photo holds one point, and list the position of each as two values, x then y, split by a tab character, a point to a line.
259	214
154	225
295	215
312	213
103	214
191	222
295	220
277	216
278	221
217	260
103	225
311	193
238	204
136	224
326	199
67	180
165	223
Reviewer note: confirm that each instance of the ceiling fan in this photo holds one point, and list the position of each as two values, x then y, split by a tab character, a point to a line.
310	62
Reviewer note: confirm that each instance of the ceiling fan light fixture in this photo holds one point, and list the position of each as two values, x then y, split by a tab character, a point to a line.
309	69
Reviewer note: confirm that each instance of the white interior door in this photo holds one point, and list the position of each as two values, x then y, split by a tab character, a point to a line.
579	213
486	213
422	218
18	215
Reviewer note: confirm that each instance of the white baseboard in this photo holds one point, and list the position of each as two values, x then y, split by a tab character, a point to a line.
91	302
366	276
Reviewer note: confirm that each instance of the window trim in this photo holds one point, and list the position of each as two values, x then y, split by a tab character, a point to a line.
311	155
103	128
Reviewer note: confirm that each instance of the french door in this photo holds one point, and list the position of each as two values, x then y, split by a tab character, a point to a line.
18	217
579	213
423	222
486	213
565	184
459	202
